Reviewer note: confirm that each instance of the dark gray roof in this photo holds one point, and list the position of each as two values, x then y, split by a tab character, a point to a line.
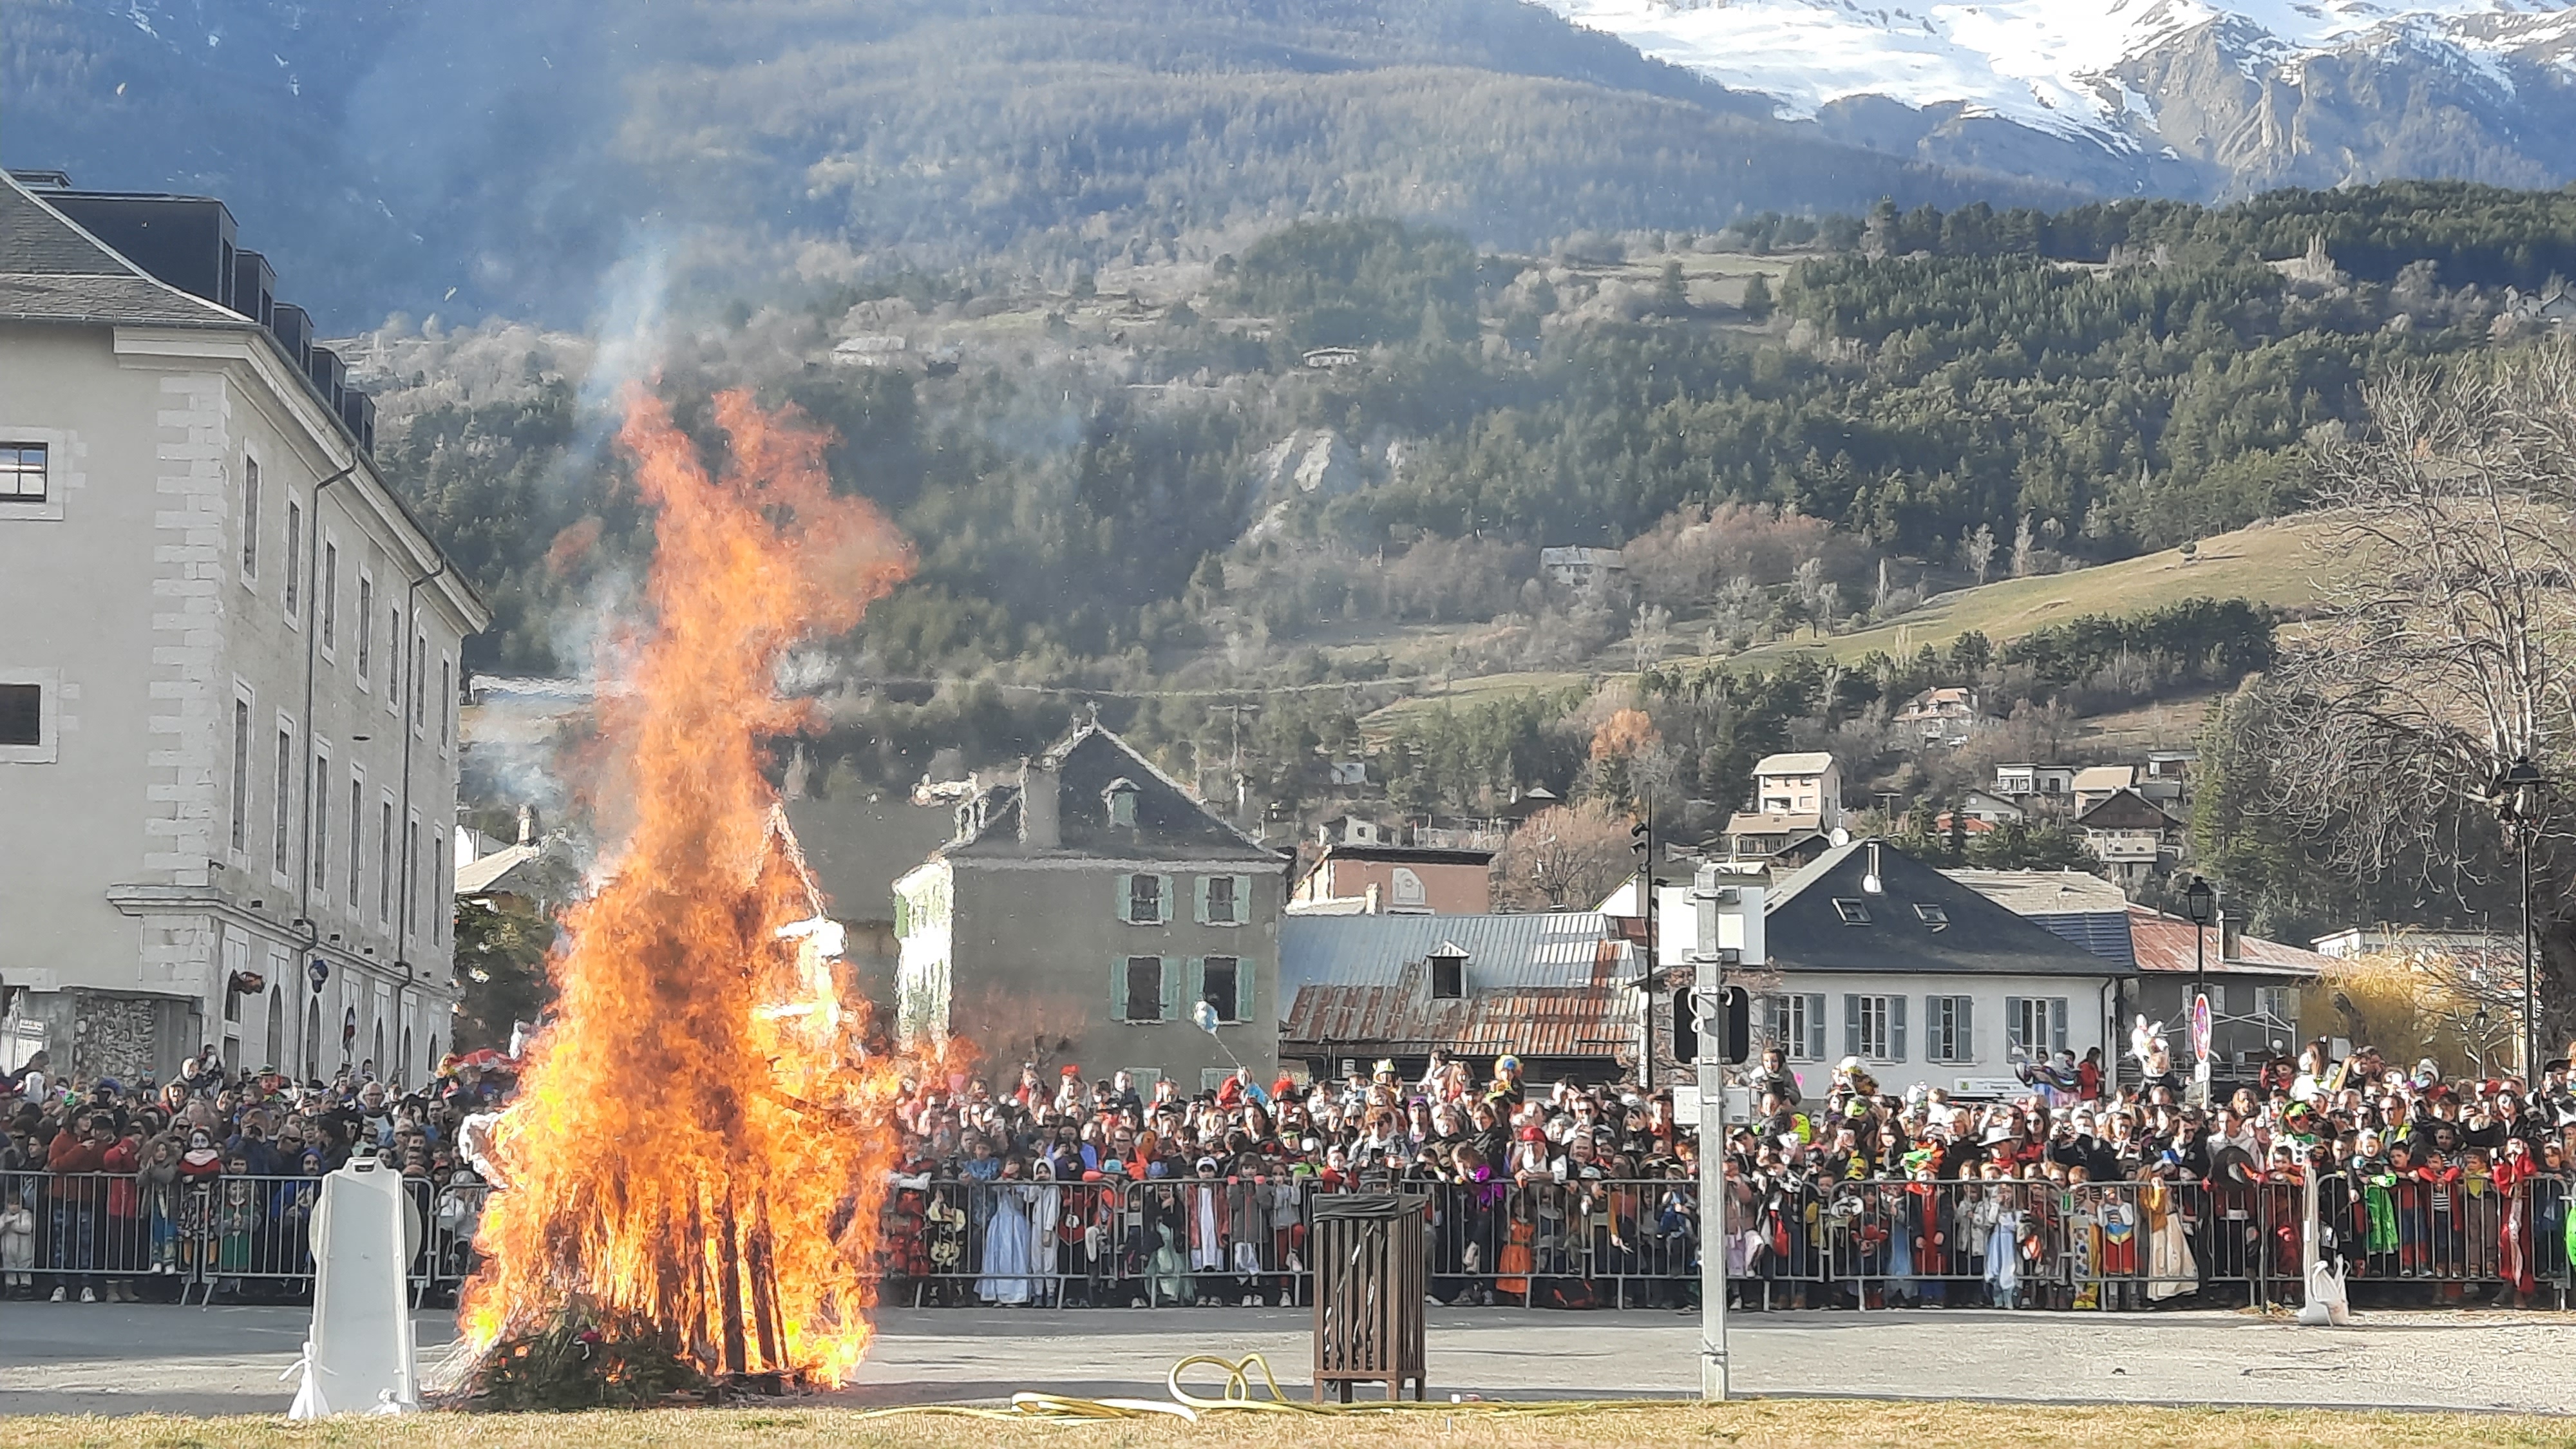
52	271
2104	933
1805	929
857	843
1171	823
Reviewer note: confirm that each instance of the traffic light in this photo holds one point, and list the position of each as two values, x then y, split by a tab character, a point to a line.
1727	1015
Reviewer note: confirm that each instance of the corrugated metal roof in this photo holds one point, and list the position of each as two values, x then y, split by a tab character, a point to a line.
2164	943
1537	949
1543	984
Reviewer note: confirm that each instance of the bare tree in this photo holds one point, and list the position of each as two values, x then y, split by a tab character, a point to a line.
2445	646
1980	551
1564	857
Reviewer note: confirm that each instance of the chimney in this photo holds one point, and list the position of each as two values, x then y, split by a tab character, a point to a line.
2231	936
527	825
1041	797
1376	899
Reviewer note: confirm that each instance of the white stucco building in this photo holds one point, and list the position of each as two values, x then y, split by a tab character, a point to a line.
228	735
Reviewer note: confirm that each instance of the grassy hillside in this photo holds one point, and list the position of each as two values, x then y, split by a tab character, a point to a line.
2266	564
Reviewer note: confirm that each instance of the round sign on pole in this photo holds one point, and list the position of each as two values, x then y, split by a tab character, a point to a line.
2200	1027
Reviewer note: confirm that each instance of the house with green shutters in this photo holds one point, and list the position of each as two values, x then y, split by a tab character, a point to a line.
1083	908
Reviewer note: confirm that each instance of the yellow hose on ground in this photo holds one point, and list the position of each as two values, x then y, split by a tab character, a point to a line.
1033	1408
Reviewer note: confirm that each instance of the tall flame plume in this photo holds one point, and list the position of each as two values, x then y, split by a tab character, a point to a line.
698	1141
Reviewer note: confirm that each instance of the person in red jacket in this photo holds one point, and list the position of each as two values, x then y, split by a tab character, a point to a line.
75	1158
122	1247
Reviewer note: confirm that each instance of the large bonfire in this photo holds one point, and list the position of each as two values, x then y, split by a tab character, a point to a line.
695	1152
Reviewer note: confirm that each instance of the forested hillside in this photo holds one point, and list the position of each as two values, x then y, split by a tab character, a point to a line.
1149	479
490	157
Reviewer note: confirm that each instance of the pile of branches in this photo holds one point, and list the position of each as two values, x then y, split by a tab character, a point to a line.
586	1360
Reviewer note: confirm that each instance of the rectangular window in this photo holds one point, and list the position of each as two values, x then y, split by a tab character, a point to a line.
285	799
320	850
393	666
330	595
22	714
1877	1039
1874	1027
1853	912
446	693
357	836
1145	899
410	872
250	518
2034	1026
2276	1003
1217	987
1144	989
294	557
366	627
22	472
419	680
385	865
1949	1030
1798	1025
1222	910
1448	978
241	774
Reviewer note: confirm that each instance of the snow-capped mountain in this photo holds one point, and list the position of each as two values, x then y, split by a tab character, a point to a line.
2216	96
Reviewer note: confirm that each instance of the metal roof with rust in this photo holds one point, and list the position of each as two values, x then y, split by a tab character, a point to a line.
1542	984
2164	945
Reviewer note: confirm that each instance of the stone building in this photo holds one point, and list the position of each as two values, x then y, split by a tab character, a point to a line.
228	735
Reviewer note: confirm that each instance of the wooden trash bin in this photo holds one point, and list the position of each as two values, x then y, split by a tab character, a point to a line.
1371	1252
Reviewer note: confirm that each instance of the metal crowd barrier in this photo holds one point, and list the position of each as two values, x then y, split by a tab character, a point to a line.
1588	1243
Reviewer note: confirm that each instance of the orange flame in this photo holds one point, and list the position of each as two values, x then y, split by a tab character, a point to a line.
697	1137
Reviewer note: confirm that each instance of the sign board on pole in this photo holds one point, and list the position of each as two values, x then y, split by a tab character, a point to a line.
2200	1026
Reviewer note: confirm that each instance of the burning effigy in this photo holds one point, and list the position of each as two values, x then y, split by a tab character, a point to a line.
690	1178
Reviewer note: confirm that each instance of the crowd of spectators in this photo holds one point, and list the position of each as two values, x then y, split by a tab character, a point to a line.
128	1190
2079	1192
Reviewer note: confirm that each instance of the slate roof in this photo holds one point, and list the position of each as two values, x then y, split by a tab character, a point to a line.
857	846
51	270
1805	931
1171	823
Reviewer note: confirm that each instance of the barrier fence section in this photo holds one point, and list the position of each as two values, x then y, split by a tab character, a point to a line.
1587	1243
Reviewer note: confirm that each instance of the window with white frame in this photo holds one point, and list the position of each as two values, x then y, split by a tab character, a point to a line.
366	625
320	849
250	519
1874	1027
1142	999
1220	986
1222	908
1145	899
330	602
2034	1026
2279	1004
294	560
1797	1025
385	862
446	698
31	716
357	837
23	468
241	773
1949	1030
285	814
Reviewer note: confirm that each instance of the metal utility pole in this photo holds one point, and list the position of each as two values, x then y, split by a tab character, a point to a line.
1709	986
2516	795
1641	838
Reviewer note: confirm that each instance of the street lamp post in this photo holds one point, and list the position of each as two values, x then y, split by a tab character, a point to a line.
2201	904
2516	796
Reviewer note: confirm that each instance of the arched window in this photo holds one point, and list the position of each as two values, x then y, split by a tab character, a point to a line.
275	1048
313	1040
402	1064
376	1058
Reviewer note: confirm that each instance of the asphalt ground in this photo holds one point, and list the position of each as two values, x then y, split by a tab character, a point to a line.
117	1359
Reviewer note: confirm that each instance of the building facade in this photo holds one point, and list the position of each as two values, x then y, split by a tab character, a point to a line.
1400	880
1081	912
230	766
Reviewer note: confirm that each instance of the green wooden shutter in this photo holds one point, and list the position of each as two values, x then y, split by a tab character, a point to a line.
1165	901
1247	1001
1126	896
1966	1053
1816	1026
1199	890
1851	1024
1117	988
1243	900
1172	1009
2057	1023
1896	1028
2015	1013
1193	986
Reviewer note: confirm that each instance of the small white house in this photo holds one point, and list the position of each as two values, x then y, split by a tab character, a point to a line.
1802	783
1873	954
